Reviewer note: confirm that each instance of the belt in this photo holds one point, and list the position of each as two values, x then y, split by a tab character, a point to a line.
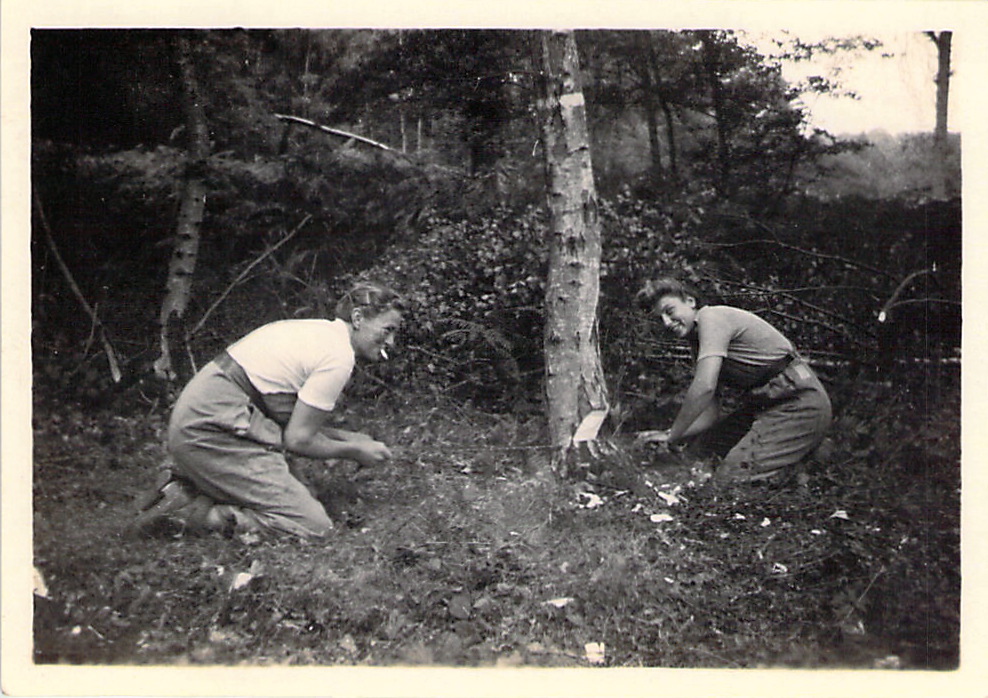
235	372
772	370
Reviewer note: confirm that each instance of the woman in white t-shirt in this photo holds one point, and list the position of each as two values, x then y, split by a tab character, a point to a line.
268	393
786	411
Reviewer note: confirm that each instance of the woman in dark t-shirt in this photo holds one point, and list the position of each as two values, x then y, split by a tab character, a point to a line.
786	412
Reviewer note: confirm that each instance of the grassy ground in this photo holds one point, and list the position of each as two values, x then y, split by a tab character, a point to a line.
465	551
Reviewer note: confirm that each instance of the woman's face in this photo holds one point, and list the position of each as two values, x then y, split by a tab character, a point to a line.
678	314
372	337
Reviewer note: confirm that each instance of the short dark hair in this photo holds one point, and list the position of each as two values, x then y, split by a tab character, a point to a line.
655	289
372	298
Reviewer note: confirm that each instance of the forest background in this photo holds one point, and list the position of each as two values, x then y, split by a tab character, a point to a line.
756	207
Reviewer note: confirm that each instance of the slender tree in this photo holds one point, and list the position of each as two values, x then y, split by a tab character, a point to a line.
712	69
664	102
192	208
645	68
942	40
575	385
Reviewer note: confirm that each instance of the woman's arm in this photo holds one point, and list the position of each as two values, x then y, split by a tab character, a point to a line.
699	409
304	434
346	435
706	420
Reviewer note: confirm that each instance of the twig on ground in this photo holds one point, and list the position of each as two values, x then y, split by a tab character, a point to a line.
857	602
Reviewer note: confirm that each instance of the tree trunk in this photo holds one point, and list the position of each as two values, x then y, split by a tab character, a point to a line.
192	207
660	91
942	41
711	65
575	387
644	67
670	135
403	128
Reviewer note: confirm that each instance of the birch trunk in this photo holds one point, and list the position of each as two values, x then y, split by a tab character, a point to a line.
576	391
182	266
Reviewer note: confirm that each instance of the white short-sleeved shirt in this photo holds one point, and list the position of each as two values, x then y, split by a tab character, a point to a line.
310	358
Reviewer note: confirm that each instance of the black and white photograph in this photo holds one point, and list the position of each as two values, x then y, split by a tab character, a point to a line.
493	346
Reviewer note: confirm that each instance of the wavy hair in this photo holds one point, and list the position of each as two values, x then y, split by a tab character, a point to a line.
371	298
655	289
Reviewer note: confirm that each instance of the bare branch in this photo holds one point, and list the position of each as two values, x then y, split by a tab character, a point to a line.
890	303
341	134
794	299
810	253
111	355
240	277
919	301
819	323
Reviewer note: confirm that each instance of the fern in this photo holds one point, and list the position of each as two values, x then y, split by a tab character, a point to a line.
478	332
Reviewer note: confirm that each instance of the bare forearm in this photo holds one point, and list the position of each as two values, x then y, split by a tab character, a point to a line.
695	415
345	435
704	421
321	446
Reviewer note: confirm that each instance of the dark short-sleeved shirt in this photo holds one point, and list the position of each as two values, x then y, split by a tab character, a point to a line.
746	342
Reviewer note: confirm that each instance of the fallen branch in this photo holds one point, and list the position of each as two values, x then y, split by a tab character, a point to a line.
111	355
240	277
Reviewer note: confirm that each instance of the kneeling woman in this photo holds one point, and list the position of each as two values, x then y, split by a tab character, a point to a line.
786	411
268	393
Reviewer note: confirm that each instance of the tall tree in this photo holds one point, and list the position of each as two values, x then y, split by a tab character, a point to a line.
192	208
662	95
712	70
575	385
644	67
942	40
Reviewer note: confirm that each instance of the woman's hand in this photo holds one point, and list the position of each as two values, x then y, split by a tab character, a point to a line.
306	434
660	436
370	452
346	435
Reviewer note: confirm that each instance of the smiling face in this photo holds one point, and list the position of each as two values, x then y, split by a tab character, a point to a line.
678	314
371	337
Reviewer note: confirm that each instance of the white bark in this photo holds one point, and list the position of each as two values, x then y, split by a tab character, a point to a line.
181	268
575	385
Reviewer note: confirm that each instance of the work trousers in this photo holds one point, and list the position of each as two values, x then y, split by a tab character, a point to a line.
777	425
230	450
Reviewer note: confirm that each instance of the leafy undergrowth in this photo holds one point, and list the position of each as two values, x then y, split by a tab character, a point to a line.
465	551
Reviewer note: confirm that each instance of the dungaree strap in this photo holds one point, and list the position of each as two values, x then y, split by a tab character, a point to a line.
235	372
